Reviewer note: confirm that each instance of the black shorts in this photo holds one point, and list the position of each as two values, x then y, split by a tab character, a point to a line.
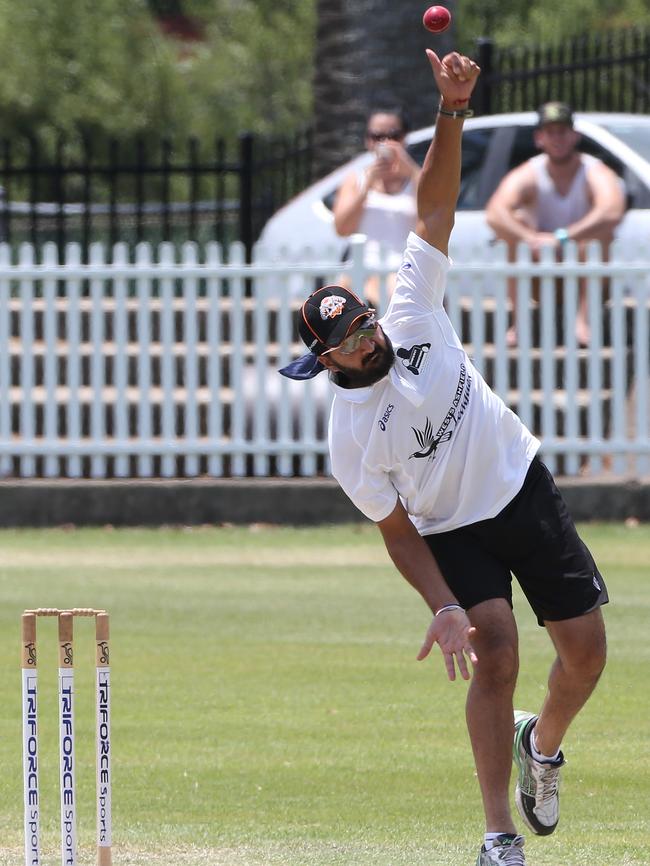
533	537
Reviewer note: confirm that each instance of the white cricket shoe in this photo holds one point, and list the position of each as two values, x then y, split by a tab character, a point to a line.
537	791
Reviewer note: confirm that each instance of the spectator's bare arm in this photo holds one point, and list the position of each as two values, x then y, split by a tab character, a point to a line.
607	209
349	204
515	194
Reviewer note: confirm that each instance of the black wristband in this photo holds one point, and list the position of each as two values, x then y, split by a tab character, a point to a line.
461	113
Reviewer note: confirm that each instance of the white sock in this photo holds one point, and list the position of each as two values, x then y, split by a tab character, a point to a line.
537	755
491	839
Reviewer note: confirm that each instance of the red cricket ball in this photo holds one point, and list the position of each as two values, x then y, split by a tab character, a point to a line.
436	19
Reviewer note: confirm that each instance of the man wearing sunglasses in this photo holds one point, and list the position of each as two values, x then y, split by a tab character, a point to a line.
425	449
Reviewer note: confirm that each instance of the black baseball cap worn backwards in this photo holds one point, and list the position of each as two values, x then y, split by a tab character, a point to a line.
325	320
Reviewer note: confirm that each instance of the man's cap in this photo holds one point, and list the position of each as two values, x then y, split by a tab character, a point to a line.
324	322
555	112
327	316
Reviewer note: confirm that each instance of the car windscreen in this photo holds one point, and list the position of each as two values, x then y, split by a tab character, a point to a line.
635	135
475	150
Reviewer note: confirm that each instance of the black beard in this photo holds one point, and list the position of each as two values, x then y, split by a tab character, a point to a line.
376	366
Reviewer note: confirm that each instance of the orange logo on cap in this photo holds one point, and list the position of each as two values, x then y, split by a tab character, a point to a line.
331	307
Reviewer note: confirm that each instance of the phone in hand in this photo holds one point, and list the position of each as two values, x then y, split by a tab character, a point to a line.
384	152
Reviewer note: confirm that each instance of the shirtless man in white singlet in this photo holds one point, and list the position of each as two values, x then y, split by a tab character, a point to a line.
557	196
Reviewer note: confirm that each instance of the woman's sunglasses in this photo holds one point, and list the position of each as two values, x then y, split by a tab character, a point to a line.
391	135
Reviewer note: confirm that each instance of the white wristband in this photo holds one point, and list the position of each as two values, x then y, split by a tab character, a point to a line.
450	607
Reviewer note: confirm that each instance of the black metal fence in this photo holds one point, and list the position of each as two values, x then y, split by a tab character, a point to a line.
71	190
593	72
130	191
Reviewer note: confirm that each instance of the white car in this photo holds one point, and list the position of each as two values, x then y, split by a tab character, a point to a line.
492	145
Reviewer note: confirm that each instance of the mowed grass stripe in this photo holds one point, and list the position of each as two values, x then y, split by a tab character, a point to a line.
268	707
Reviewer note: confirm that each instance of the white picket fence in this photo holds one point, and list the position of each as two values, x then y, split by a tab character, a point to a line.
165	364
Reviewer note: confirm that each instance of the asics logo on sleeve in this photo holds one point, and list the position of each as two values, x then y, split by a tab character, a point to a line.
383	421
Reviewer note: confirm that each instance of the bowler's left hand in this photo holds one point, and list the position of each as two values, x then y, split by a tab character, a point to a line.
453	632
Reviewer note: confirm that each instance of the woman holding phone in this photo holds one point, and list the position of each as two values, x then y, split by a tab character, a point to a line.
379	202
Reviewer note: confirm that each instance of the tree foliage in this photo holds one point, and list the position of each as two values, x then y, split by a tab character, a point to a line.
105	67
533	22
254	70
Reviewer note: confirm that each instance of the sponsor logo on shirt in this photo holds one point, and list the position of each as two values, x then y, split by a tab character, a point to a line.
429	441
414	357
383	421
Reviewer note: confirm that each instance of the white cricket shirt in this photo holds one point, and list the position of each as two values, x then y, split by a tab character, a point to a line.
431	432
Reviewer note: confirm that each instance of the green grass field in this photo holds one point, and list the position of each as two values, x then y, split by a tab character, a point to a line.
268	708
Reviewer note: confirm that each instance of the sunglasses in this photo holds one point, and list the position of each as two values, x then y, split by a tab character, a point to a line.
352	343
391	135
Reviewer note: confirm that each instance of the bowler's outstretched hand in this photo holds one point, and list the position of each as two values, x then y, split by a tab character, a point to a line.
455	76
453	632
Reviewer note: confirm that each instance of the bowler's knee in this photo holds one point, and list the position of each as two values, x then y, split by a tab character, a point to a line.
495	643
590	665
598	657
498	661
583	649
